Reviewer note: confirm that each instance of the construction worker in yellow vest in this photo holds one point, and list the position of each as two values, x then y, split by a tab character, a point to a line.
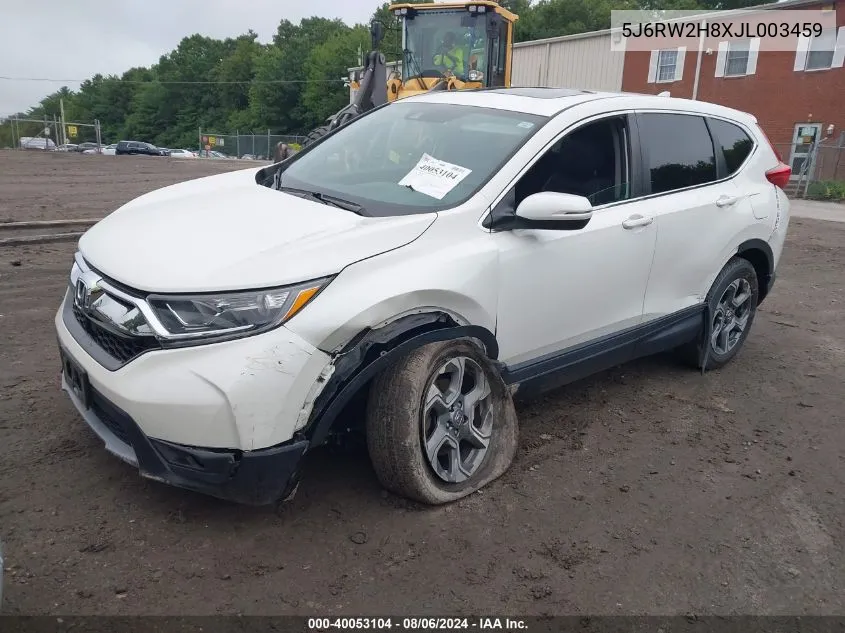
450	56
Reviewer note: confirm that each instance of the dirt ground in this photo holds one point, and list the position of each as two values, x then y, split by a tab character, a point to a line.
649	489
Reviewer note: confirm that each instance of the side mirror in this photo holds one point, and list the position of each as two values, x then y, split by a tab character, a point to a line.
554	211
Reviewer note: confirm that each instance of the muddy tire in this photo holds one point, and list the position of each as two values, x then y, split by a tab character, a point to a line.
315	135
732	302
440	423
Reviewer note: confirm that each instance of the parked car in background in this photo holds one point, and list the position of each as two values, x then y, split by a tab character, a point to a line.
182	153
109	150
89	148
203	153
139	148
37	142
67	147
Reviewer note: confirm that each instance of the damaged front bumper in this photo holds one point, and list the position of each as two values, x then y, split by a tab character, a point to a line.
257	477
225	419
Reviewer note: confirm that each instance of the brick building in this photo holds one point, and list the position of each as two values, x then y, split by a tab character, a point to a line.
796	95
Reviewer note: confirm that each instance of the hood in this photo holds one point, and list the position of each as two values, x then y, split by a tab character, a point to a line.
226	232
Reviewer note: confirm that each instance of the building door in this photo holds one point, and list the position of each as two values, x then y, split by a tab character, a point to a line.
803	137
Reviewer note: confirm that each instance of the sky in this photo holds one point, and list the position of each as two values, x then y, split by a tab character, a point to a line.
75	39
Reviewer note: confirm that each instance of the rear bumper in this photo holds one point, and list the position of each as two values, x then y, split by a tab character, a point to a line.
257	477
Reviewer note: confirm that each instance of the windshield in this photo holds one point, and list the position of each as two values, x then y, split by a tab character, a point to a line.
411	157
436	42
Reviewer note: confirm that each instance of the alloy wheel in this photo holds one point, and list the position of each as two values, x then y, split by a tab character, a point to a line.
731	316
457	419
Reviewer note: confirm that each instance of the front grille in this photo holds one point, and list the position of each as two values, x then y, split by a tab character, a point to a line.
121	348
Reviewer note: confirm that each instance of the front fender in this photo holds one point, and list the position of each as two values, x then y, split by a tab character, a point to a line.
372	351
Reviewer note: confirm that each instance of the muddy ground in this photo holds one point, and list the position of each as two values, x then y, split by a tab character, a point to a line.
647	489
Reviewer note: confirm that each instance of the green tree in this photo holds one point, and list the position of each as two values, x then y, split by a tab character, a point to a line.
237	65
271	104
327	64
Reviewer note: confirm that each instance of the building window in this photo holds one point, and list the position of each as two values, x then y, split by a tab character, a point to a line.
820	51
737	59
666	64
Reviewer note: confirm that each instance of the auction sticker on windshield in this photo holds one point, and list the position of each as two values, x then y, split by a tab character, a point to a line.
433	177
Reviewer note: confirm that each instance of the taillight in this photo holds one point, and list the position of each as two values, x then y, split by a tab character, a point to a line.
779	176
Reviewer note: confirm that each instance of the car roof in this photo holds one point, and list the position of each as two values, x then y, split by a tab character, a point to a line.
551	101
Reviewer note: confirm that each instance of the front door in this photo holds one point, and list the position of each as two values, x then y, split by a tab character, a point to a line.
559	289
804	135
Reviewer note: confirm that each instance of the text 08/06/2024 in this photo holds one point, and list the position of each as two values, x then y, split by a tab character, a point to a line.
417	624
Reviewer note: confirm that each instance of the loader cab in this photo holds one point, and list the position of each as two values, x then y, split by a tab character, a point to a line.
453	46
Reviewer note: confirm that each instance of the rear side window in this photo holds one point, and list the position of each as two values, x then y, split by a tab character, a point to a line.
735	144
678	151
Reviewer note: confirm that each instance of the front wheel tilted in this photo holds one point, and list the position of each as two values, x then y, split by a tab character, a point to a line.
440	423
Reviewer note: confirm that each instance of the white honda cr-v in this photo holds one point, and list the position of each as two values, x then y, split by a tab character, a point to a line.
429	258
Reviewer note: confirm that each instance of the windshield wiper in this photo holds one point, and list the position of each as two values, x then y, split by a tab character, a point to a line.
331	201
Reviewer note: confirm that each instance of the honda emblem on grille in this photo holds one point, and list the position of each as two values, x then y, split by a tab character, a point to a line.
87	290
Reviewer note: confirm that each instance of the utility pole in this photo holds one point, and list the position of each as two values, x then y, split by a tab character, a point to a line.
63	135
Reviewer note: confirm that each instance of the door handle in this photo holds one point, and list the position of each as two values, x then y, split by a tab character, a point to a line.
636	221
726	201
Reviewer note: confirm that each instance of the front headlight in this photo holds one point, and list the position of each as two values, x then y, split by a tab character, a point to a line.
224	314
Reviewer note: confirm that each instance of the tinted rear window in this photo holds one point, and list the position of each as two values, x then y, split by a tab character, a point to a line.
678	149
733	142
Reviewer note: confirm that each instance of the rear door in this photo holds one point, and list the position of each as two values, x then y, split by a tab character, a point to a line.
698	208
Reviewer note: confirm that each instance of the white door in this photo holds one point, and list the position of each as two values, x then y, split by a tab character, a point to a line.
560	288
804	135
697	218
693	232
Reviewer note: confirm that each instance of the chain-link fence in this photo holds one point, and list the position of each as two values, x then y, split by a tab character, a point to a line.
46	133
256	146
42	134
818	169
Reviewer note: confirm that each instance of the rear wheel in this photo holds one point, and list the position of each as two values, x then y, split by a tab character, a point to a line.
440	423
732	302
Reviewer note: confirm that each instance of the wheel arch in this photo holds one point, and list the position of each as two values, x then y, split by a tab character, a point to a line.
374	349
759	254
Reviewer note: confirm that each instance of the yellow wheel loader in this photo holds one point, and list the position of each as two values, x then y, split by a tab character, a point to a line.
445	46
